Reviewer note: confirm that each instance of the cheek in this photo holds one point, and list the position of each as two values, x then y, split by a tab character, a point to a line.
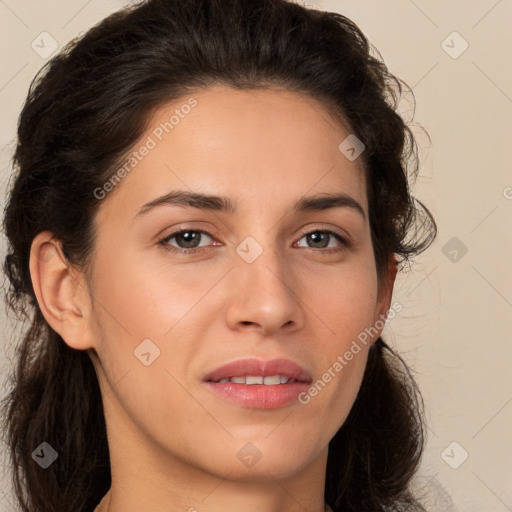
135	302
136	310
145	300
344	299
345	305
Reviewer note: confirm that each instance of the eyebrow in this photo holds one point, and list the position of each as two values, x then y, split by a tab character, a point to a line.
225	204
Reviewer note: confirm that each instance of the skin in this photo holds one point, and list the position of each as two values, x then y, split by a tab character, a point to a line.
173	443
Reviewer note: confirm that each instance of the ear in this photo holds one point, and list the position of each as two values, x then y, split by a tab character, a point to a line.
61	291
385	294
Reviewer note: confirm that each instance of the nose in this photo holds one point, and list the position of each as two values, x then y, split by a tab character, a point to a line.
264	295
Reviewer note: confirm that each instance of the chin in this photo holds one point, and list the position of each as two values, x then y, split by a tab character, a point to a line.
262	460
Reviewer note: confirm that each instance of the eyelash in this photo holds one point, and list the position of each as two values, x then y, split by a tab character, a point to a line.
197	250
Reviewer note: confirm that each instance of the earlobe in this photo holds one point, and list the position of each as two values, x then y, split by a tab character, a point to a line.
62	298
385	294
388	285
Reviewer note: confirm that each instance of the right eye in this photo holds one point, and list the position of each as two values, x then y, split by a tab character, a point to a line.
189	240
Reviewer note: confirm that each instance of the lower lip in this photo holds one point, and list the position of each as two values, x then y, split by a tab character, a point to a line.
259	396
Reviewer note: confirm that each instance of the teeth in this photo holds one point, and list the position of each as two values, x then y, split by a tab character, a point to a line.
271	380
254	380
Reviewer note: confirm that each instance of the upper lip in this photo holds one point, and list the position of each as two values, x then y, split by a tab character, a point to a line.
258	367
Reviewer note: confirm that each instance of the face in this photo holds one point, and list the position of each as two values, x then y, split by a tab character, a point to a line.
180	287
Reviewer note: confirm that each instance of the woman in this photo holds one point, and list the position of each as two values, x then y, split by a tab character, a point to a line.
210	208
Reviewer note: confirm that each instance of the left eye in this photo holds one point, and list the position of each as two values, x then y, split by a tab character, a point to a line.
188	240
324	236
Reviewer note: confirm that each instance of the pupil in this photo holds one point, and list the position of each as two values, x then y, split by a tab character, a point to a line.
194	240
317	234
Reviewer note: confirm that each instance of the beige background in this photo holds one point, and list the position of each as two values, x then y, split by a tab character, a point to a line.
453	329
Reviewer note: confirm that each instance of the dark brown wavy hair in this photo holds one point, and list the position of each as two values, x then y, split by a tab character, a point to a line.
86	108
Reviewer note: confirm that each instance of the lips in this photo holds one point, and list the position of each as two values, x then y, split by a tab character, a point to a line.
258	368
257	384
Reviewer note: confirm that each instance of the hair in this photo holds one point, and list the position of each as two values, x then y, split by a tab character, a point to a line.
85	110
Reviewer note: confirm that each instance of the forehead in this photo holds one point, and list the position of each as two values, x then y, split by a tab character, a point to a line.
263	147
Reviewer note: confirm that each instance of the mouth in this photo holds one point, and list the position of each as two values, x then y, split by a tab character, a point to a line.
251	380
257	384
253	371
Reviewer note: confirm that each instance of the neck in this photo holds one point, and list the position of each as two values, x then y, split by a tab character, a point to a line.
152	483
104	505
